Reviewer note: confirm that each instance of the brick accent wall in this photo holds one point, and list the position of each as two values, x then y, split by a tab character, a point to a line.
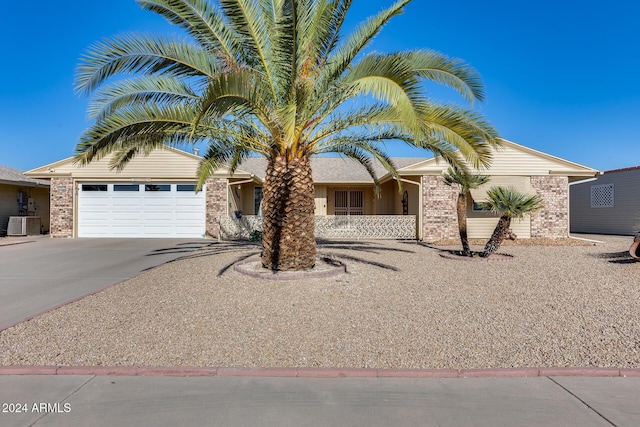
216	204
439	217
552	220
61	207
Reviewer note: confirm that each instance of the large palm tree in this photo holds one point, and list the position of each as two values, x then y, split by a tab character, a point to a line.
508	203
275	78
465	181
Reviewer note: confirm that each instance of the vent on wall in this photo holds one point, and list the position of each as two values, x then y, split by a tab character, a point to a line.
602	196
23	225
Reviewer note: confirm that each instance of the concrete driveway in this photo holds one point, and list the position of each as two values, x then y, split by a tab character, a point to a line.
45	273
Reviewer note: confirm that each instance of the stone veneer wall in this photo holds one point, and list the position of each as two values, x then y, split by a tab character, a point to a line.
439	215
61	207
216	204
552	220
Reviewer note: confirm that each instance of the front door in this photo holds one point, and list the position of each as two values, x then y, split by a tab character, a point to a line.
349	202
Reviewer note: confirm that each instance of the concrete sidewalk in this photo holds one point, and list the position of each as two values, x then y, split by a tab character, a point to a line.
64	400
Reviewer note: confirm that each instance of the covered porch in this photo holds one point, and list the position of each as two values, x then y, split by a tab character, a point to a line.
342	211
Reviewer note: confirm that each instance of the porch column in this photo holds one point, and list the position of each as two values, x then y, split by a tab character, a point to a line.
61	207
439	217
216	201
552	220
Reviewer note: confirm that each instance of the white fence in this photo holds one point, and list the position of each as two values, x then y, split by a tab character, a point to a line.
333	226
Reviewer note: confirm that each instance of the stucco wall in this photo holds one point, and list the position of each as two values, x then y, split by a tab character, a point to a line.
9	205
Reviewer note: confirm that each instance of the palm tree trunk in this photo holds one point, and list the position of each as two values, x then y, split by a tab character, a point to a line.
462	223
500	233
288	209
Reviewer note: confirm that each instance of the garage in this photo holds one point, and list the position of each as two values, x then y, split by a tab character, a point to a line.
145	210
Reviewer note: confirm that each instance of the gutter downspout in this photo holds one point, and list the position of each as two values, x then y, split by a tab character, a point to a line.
582	181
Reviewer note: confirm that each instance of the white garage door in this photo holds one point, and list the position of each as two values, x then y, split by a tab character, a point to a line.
140	210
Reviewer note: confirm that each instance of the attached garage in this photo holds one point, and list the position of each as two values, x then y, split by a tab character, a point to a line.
153	196
140	210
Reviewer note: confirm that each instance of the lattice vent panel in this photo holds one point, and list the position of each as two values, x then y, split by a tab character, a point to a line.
602	196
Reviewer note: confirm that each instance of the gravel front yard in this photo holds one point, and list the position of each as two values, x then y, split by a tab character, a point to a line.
400	306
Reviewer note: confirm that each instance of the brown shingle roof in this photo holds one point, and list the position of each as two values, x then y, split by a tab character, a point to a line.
331	169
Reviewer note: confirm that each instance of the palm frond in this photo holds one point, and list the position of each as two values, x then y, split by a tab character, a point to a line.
344	54
235	93
139	121
363	150
202	21
334	15
507	201
388	78
246	20
220	152
462	129
141	90
352	151
137	53
453	73
464	180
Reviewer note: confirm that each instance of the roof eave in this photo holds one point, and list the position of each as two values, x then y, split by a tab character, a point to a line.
24	183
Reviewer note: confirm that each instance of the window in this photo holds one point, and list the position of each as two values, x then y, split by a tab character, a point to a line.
257	200
94	187
349	202
477	207
126	187
157	187
602	196
186	187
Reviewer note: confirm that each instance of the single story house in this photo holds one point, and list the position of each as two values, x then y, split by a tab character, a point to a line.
23	196
608	205
153	197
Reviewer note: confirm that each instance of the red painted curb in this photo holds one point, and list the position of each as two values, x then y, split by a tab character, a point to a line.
337	373
418	373
257	372
499	373
319	372
28	370
176	372
95	370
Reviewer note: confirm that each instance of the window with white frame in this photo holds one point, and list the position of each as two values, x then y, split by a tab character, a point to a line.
602	196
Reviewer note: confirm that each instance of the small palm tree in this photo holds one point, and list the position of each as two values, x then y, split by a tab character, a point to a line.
508	203
278	79
465	182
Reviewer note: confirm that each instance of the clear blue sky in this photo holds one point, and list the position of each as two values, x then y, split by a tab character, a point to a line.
560	76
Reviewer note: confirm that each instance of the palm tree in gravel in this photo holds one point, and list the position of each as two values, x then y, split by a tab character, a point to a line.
465	181
275	78
508	203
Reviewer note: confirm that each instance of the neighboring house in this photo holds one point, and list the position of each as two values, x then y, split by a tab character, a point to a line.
22	196
153	197
608	205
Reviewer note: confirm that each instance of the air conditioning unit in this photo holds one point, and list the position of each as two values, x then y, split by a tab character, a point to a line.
23	225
